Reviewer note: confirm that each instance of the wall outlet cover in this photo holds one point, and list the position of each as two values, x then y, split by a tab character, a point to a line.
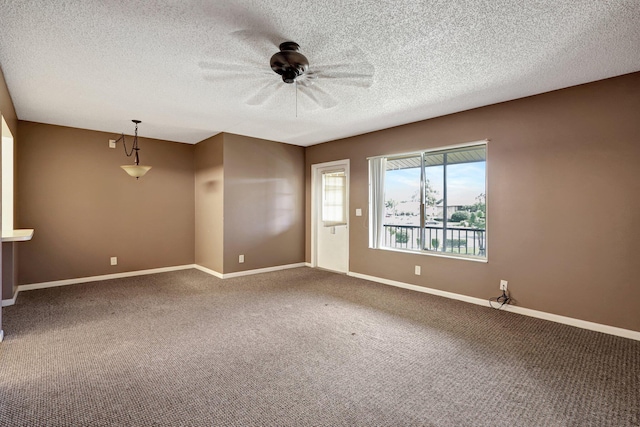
503	285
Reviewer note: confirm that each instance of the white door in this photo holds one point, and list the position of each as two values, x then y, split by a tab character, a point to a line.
330	216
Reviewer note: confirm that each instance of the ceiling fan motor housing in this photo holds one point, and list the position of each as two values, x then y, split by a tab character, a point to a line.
289	63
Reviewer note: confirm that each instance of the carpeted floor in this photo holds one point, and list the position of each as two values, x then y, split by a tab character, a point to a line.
299	347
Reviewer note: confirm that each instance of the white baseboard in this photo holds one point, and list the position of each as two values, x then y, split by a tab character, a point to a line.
1	335
208	271
43	285
10	301
52	284
612	330
249	272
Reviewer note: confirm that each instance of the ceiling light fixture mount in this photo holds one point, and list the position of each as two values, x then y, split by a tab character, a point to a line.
136	170
289	62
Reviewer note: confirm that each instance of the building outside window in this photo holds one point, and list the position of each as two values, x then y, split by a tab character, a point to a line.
431	201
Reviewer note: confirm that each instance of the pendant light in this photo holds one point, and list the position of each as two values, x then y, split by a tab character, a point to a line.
136	169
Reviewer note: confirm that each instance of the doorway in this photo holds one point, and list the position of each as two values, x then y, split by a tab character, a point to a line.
330	216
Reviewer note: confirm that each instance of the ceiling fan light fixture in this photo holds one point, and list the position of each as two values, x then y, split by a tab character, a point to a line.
289	63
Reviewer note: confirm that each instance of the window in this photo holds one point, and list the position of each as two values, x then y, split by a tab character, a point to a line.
432	201
334	197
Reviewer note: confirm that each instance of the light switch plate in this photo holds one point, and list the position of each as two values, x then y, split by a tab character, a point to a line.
358	212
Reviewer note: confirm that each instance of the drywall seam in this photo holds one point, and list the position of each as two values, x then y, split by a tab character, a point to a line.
611	330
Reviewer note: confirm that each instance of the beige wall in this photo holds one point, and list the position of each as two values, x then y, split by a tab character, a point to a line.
249	201
563	201
263	203
209	203
85	208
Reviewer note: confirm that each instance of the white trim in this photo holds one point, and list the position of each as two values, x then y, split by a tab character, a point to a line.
55	283
308	264
430	150
433	253
65	282
315	170
611	330
262	270
208	271
1	335
10	301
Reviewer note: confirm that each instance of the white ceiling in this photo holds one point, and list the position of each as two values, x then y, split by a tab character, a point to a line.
98	64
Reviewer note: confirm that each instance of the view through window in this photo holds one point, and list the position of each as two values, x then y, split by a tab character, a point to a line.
435	201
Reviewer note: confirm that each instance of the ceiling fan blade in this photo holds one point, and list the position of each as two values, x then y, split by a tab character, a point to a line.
350	56
265	93
318	96
263	43
233	78
358	74
217	72
346	79
231	68
307	79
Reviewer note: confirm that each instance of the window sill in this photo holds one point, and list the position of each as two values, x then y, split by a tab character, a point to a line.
435	254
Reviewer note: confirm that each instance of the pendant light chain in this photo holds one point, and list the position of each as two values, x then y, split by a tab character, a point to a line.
135	143
136	170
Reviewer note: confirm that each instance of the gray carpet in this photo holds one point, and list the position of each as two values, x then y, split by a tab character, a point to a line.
300	347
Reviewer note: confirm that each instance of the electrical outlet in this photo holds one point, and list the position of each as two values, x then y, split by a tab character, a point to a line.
112	143
358	212
417	270
241	259
503	285
114	260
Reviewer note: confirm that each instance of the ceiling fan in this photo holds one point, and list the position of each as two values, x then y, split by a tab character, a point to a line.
316	83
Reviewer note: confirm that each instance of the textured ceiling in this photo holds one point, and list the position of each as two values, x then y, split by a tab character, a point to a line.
191	69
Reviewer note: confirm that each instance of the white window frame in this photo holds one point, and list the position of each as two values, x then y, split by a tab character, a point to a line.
376	207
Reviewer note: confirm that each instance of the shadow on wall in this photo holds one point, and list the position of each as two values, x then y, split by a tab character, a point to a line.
212	186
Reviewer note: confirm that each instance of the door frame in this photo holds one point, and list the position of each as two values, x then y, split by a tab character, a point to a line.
316	203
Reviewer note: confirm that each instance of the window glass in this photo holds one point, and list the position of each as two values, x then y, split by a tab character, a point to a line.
334	198
435	201
402	203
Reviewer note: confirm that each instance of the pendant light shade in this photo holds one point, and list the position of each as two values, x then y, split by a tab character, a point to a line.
136	169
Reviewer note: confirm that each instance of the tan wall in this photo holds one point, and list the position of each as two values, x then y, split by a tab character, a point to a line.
563	201
209	199
85	208
263	203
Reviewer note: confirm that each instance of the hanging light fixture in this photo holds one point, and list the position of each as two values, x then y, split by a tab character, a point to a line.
136	169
